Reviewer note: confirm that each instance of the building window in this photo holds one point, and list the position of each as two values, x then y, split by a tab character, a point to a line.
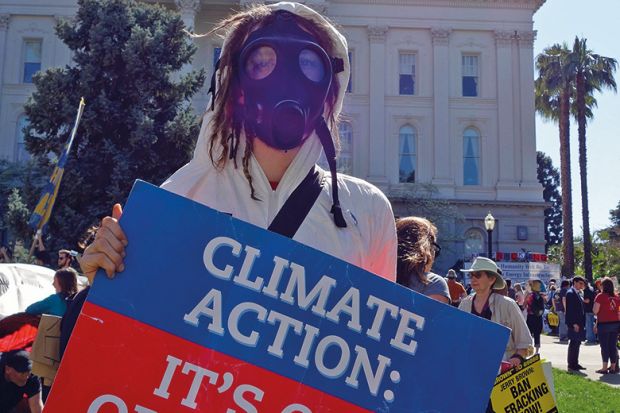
345	157
344	161
32	58
21	155
406	78
470	75
471	157
350	84
474	243
407	154
216	55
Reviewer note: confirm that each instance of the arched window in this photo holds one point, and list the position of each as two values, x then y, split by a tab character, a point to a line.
474	243
344	161
21	155
345	158
407	154
471	157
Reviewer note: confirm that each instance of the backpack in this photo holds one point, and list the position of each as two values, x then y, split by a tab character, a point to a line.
538	305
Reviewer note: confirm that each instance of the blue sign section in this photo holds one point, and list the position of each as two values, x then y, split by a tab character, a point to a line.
280	305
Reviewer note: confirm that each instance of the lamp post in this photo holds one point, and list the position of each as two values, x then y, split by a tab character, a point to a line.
489	224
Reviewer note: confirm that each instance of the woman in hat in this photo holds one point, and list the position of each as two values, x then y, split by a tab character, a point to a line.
486	279
277	94
417	250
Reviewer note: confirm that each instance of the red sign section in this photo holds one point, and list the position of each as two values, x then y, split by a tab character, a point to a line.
158	372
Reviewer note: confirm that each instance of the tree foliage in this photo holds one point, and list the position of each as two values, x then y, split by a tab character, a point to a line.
549	177
17	214
137	123
613	231
605	250
26	179
614	215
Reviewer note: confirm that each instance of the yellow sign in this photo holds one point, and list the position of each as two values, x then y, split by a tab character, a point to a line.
523	389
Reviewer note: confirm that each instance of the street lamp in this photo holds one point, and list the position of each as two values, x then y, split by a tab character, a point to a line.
489	224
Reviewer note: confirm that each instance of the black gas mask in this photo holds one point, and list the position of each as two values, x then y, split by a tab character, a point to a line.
285	77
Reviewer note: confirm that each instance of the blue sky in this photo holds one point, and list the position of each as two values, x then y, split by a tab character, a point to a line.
599	22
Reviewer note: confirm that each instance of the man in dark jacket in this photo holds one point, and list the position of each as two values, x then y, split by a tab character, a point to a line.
576	322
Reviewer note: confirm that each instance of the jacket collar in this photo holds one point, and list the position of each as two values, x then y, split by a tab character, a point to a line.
305	159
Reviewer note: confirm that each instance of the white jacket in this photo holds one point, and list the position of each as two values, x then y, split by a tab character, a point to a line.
368	241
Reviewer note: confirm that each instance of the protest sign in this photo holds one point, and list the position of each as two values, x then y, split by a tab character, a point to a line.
213	314
523	389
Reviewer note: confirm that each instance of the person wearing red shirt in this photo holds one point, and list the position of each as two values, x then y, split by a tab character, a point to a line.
457	291
607	310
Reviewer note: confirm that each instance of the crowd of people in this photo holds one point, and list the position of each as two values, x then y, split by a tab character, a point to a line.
583	312
20	389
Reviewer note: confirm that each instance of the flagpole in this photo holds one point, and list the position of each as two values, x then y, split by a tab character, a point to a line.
43	209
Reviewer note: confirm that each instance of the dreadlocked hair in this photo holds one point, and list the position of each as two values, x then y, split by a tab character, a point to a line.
228	114
415	249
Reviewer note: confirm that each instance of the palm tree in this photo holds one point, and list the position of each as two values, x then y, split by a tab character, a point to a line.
592	73
554	89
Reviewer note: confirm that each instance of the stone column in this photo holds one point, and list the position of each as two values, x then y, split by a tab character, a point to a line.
528	124
4	28
377	141
443	170
5	19
188	9
505	109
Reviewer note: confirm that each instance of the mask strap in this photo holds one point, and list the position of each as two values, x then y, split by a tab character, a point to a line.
212	87
325	137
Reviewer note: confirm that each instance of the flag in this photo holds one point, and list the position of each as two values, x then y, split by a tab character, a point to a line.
43	210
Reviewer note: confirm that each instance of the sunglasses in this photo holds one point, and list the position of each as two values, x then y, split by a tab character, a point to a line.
476	275
436	249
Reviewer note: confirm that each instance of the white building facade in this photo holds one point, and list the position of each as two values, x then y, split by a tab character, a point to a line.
441	93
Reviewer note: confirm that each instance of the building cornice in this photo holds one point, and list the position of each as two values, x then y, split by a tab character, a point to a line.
377	33
397	195
533	5
5	19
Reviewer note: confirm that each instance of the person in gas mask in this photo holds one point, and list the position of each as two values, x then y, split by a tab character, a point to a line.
276	97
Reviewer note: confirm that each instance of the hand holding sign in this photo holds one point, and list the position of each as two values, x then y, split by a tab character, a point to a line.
108	249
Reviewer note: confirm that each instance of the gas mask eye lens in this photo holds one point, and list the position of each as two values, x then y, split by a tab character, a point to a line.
260	63
311	65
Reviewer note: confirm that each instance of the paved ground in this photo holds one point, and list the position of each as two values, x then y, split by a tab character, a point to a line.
589	356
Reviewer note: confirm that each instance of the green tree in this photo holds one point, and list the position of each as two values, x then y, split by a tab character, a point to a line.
613	231
138	122
26	178
554	88
17	214
592	73
549	177
614	215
